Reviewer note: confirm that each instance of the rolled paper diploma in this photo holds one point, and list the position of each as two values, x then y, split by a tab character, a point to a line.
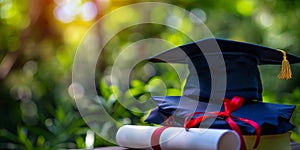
172	138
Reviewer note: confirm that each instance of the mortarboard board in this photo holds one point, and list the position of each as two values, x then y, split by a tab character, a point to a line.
241	60
242	78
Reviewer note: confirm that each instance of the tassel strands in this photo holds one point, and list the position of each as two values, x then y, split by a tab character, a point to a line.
286	72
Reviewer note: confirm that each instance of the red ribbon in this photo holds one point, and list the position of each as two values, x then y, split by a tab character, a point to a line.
156	136
229	107
157	132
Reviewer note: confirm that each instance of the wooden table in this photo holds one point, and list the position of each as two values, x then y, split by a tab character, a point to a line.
295	146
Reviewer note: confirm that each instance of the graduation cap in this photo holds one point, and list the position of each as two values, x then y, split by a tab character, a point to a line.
241	60
235	64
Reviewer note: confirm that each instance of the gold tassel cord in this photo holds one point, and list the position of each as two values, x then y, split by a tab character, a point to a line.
286	72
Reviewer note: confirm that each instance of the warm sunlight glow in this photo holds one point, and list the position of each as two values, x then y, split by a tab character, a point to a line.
67	11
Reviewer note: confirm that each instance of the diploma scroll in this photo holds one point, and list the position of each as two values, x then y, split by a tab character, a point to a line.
172	138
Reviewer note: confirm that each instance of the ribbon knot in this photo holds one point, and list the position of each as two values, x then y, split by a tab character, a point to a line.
229	107
223	115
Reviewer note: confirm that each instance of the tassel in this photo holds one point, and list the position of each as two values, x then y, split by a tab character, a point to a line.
286	72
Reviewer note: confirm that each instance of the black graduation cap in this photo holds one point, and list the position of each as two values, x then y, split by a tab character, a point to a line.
240	69
235	64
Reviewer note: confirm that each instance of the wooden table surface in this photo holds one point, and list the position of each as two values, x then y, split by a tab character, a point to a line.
295	146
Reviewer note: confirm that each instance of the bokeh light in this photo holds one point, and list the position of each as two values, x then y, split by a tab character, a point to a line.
67	11
88	11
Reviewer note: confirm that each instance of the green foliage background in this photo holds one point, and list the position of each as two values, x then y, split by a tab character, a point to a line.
37	50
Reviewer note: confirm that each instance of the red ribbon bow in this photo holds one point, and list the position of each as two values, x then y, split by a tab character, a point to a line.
229	107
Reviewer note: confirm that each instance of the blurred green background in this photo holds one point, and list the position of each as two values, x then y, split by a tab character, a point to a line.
39	38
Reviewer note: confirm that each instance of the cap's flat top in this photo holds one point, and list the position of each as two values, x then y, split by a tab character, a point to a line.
264	54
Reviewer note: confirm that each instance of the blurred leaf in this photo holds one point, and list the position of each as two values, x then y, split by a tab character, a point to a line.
137	84
8	135
104	90
40	140
60	113
22	135
80	142
173	92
